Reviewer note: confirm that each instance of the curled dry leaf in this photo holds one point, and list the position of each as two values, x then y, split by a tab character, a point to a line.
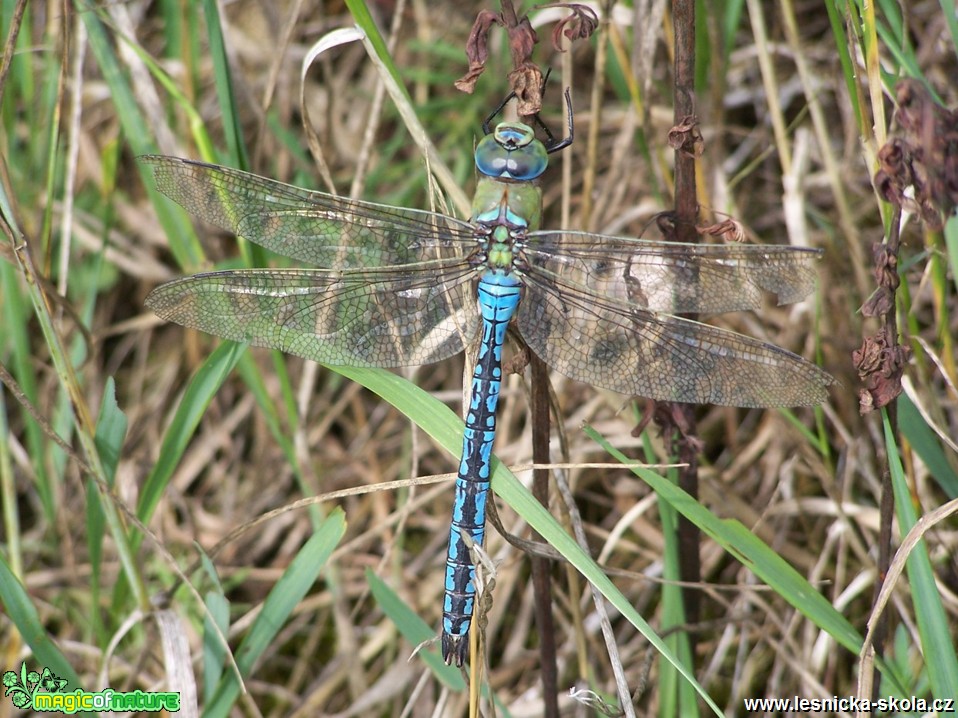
879	303
880	363
729	230
578	25
885	271
477	49
665	221
671	420
526	82
685	137
922	156
522	41
886	266
526	78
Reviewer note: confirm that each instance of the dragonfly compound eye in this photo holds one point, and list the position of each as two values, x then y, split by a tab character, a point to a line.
511	152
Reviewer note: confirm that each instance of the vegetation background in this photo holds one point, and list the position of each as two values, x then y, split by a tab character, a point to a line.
139	454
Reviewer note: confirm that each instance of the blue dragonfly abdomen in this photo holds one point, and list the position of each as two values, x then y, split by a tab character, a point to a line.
498	299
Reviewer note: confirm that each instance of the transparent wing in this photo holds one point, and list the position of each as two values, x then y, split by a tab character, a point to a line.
313	227
364	318
620	347
670	276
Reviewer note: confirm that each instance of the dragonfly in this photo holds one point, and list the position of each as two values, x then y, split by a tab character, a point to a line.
393	286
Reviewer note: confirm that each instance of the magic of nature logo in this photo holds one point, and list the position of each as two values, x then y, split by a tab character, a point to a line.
44	691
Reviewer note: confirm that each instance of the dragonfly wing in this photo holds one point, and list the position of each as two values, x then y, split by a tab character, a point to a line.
314	227
672	277
634	351
340	318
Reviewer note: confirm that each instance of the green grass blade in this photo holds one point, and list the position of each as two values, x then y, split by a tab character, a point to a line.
677	697
414	630
110	430
895	39
253	377
110	433
748	549
951	243
138	134
926	445
283	598
21	612
10	519
849	70
203	387
365	21
15	338
951	19
933	626
224	86
216	624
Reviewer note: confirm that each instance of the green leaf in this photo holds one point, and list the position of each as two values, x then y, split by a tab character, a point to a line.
283	598
19	608
754	554
414	630
934	629
926	445
203	387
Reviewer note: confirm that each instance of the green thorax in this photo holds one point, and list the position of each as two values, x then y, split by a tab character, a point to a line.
503	202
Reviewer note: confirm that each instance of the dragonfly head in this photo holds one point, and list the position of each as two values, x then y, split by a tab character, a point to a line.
511	152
